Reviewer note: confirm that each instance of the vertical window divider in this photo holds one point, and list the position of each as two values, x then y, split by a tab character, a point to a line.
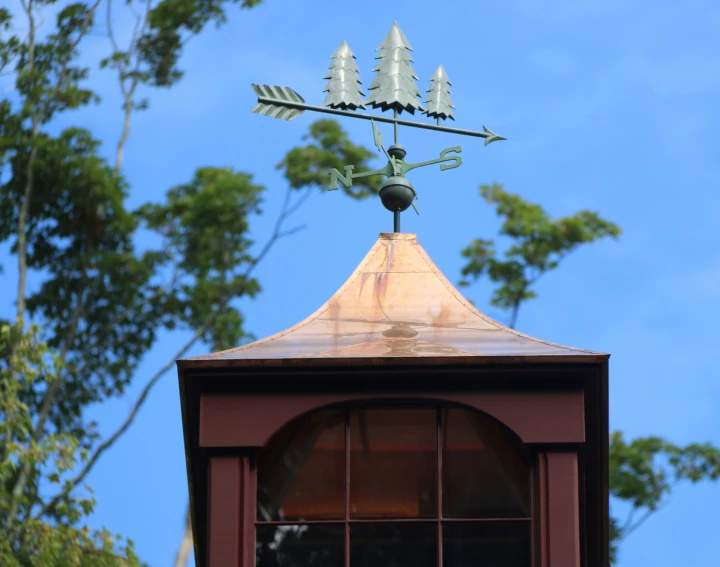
439	429
347	487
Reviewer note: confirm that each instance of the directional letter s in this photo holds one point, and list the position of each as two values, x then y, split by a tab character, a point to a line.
456	159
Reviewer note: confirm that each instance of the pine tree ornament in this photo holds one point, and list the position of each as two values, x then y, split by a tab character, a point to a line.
394	85
343	90
439	103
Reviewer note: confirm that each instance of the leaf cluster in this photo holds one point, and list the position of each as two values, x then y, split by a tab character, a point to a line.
203	226
96	295
170	24
329	147
31	534
538	244
644	471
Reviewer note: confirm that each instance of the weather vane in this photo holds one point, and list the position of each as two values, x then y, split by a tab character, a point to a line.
393	89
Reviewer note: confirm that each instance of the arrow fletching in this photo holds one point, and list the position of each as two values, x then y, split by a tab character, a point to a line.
273	102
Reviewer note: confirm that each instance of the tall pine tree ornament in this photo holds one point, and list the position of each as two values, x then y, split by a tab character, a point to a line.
394	85
439	103
343	90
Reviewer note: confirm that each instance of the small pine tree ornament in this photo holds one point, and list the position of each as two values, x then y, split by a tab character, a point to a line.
394	85
343	90
439	103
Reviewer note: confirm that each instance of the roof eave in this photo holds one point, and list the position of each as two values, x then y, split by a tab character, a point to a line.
309	362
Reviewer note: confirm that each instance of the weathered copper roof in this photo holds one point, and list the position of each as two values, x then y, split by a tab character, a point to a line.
396	305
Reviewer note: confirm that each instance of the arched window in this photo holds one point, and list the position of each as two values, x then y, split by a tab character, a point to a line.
393	487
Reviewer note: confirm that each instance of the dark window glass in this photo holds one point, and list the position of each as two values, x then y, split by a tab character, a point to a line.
301	474
309	545
484	476
393	544
393	491
486	544
393	463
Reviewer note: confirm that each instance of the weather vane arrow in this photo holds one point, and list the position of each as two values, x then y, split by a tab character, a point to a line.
393	88
285	104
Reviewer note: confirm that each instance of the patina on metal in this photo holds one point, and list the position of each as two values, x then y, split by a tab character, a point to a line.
393	88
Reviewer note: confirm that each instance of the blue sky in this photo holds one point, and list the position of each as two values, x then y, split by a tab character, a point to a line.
607	105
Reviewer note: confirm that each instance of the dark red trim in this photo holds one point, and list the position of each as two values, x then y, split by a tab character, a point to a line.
563	510
225	512
250	420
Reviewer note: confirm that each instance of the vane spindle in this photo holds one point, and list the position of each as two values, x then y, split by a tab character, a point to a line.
396	128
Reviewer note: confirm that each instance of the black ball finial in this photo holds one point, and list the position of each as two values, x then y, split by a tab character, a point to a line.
397	194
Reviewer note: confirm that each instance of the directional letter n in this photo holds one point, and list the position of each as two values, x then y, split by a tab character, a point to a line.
336	176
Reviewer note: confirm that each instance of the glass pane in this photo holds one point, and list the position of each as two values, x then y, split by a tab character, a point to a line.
301	473
484	475
393	463
314	545
484	544
393	544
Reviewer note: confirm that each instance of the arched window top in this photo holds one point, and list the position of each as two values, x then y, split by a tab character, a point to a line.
398	479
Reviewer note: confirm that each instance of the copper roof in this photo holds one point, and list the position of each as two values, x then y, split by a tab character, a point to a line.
396	305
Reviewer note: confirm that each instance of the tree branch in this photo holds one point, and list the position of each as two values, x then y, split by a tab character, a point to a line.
63	68
105	445
186	543
54	388
199	332
628	529
29	172
127	91
37	118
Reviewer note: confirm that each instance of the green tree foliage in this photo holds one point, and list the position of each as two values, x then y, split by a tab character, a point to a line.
643	471
44	535
306	167
538	245
100	300
204	229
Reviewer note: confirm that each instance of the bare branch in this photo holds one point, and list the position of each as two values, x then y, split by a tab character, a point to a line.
105	445
25	205
626	531
128	91
183	552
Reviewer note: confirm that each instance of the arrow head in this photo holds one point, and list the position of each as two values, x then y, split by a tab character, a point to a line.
491	136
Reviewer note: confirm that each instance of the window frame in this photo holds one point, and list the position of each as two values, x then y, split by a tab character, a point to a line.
440	520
